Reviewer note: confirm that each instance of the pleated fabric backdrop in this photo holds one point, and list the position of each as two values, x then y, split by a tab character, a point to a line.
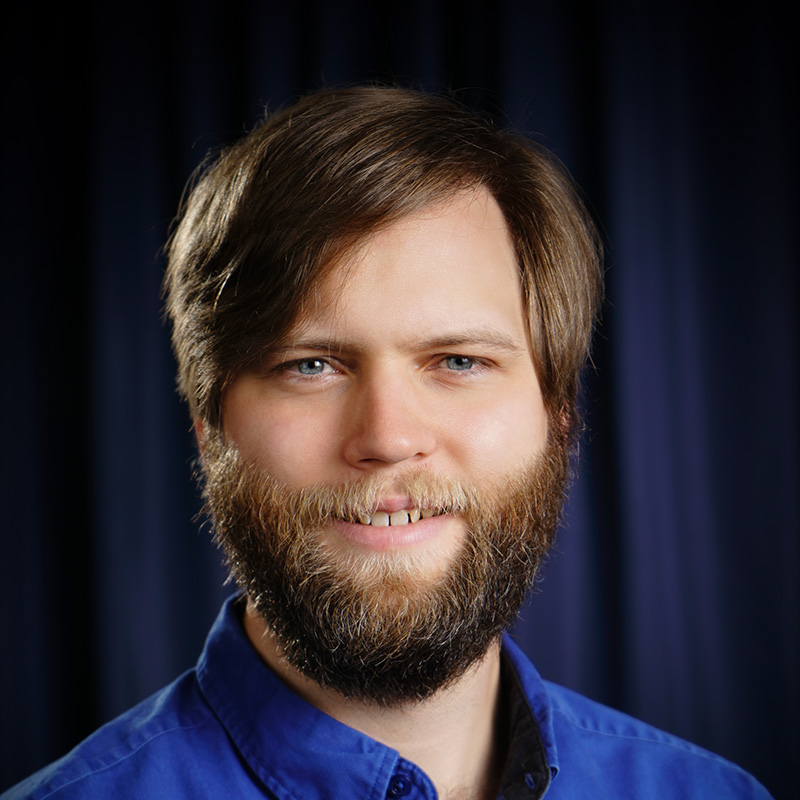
674	595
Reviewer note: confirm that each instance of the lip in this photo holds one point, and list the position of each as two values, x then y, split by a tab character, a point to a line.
400	537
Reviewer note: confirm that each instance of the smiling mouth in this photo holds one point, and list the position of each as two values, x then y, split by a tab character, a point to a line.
384	519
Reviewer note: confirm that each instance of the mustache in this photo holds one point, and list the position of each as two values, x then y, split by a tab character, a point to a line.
320	503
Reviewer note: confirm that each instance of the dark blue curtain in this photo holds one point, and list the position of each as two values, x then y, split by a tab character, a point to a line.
674	595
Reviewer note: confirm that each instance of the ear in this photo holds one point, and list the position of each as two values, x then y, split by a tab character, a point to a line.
200	434
563	422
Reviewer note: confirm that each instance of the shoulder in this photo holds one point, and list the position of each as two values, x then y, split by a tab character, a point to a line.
596	751
620	753
133	755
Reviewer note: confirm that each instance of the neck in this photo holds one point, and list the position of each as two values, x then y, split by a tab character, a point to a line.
457	736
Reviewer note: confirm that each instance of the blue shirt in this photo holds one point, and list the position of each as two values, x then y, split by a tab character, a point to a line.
231	729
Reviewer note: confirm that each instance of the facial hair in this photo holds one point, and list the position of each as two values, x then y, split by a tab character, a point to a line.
378	627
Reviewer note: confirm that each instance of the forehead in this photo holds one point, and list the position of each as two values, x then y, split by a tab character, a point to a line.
449	265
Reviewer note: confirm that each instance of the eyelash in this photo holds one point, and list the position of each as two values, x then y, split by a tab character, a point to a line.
292	367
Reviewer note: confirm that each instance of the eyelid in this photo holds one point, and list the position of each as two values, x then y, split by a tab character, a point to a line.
335	366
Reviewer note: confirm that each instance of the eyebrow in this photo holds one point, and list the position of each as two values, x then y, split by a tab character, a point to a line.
485	337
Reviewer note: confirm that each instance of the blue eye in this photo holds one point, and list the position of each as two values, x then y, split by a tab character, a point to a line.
460	363
311	366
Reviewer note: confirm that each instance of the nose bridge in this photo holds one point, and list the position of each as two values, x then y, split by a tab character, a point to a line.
389	421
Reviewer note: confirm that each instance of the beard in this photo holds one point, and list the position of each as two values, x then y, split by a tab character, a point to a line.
381	627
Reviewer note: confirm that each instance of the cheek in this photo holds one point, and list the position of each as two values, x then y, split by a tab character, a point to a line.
500	437
291	445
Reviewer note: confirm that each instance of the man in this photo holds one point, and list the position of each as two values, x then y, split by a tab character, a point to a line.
380	309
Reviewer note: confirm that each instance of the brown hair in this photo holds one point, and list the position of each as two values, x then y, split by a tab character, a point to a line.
277	209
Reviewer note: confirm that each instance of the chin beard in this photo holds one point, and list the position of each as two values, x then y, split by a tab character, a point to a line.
381	627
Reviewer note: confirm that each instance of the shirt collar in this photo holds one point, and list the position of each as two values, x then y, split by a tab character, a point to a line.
318	751
533	758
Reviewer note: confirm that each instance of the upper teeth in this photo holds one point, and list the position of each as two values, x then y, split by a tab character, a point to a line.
381	519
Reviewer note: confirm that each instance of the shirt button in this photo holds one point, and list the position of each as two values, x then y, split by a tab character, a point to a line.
530	781
399	786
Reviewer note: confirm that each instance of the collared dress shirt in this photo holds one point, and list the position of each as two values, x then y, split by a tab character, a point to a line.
231	729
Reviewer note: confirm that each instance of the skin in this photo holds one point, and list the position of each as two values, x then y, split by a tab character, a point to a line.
417	356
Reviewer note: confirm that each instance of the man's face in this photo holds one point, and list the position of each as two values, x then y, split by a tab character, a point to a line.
415	357
388	488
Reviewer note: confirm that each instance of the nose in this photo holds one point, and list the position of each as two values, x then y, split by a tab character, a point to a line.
387	423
